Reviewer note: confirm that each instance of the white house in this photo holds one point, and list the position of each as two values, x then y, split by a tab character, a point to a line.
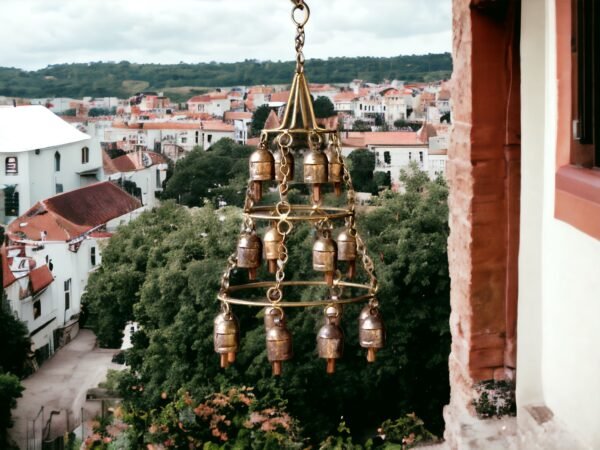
148	170
241	121
215	103
50	252
41	155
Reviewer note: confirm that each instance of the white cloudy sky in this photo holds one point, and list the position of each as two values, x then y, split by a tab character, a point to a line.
35	33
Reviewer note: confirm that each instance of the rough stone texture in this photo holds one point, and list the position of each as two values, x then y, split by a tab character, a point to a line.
484	179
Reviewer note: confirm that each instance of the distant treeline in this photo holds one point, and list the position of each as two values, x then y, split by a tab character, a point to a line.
102	79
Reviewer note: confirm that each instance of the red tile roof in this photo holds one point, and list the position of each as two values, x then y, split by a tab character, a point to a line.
272	121
40	278
237	115
280	96
199	99
208	125
130	162
344	97
71	214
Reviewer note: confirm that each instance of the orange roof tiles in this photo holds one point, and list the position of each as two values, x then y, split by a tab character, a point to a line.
209	125
130	162
237	115
40	278
280	96
344	97
71	214
272	121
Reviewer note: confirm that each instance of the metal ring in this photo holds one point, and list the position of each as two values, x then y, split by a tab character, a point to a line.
283	204
301	7
280	139
288	226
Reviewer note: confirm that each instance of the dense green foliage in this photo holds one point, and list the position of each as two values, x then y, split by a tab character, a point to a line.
259	118
360	125
10	390
173	299
362	166
218	174
323	107
101	79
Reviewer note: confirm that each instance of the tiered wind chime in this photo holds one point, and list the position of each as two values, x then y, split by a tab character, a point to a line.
299	136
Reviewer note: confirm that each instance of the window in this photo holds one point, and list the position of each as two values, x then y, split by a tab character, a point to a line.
57	162
410	156
421	157
209	138
67	294
85	155
58	188
11	201
184	140
387	157
587	95
197	136
11	165
158	183
93	256
37	309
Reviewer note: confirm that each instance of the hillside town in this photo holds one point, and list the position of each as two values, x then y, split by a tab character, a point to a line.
66	187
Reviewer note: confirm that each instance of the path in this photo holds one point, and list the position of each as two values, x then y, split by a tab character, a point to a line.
60	385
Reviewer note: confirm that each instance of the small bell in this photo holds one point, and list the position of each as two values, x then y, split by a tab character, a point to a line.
371	332
330	343
364	313
249	253
271	315
315	172
346	244
335	170
226	337
262	168
279	344
324	257
290	163
334	312
272	241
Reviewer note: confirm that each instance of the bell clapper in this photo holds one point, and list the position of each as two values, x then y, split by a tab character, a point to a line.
276	366
330	366
316	193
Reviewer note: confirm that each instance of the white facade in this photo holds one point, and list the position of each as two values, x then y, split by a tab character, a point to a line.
58	158
557	356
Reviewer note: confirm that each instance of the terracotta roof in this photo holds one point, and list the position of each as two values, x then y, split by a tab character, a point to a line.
260	90
71	214
199	99
391	138
40	278
344	97
280	96
209	125
321	87
130	162
272	121
237	115
7	276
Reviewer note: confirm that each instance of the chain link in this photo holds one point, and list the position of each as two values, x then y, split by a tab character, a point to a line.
299	5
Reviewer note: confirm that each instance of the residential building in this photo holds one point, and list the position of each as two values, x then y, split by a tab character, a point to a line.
214	103
140	173
50	252
41	155
241	121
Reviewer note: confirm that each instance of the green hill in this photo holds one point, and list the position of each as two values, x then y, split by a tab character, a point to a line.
99	79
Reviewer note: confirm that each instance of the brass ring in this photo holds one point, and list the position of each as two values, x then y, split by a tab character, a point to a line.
301	7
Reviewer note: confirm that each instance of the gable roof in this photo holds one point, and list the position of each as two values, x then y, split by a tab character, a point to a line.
130	162
40	278
31	127
71	214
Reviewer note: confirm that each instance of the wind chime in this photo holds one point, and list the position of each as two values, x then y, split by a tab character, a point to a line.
299	135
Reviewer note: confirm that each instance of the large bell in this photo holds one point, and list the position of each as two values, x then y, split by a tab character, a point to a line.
290	163
226	337
371	333
346	244
335	170
262	168
249	253
279	345
324	258
272	242
330	343
315	172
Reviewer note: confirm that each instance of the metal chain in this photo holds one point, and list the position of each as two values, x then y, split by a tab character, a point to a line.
300	5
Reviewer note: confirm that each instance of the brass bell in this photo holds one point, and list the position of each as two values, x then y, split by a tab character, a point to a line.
279	344
371	332
324	257
330	343
272	242
226	337
364	313
249	253
262	168
334	312
346	244
315	172
271	315
335	170
290	163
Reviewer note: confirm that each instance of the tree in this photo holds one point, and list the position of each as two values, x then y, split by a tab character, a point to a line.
360	125
323	107
15	340
382	179
362	166
10	391
220	172
259	118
